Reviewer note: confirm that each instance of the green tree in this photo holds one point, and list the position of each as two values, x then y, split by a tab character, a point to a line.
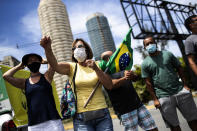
186	73
140	86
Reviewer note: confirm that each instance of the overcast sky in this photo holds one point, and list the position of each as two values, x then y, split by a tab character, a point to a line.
20	27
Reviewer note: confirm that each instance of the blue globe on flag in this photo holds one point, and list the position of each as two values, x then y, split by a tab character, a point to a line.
124	61
122	58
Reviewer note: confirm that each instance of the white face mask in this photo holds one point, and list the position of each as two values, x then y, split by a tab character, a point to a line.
80	54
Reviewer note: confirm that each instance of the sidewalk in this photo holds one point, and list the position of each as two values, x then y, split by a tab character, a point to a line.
69	125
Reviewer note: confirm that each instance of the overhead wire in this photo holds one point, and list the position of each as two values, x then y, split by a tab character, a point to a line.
26	45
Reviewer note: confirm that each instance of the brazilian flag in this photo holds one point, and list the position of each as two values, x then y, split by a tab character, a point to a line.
122	58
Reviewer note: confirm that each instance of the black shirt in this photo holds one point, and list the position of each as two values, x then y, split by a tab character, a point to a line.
40	102
124	99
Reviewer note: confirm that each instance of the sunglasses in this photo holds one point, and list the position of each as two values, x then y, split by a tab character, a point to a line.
79	46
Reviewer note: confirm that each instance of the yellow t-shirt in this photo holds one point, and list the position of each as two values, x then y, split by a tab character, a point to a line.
85	81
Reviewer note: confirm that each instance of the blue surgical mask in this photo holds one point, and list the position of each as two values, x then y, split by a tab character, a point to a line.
151	48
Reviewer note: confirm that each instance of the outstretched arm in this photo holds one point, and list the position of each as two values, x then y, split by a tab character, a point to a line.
17	82
63	67
128	76
118	82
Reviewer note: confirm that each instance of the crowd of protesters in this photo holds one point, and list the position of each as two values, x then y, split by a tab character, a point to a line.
160	70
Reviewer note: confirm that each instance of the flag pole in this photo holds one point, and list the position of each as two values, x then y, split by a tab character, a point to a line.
91	95
94	90
106	70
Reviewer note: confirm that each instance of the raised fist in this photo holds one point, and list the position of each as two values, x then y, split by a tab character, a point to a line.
45	42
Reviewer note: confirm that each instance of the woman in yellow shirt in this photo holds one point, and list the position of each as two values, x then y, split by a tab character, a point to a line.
95	117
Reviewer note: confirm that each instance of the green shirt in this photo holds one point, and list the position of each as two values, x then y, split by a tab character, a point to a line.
162	69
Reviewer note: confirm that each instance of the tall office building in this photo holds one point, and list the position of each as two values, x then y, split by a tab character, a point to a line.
99	34
55	23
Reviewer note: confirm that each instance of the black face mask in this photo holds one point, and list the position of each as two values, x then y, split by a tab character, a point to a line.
34	67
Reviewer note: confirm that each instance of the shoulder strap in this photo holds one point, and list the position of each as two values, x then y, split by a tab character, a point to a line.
73	80
75	86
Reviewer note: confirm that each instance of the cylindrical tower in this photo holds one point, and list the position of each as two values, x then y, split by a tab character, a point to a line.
55	23
99	34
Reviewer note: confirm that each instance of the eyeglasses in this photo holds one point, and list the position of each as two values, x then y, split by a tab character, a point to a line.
79	46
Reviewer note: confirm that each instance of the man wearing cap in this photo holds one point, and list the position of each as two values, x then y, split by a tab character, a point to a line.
42	112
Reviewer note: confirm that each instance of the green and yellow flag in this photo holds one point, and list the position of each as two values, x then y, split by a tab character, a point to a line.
122	58
18	100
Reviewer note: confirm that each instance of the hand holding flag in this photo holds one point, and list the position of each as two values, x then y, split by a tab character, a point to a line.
122	59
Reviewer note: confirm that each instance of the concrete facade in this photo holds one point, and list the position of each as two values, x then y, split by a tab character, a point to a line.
55	23
9	61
